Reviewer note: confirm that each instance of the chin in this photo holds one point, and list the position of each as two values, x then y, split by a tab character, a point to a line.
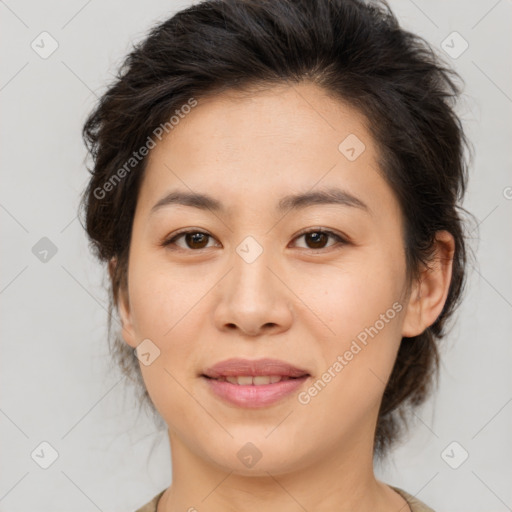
249	460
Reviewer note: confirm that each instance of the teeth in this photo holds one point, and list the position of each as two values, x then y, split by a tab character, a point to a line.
244	381
247	380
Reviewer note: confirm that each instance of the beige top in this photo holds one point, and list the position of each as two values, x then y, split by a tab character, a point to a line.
414	504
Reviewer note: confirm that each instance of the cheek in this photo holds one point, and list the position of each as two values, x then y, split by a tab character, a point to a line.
169	309
165	311
353	296
359	357
361	304
160	299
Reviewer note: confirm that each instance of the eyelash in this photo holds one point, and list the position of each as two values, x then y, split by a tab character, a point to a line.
171	240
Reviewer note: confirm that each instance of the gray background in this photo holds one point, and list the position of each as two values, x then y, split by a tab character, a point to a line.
56	382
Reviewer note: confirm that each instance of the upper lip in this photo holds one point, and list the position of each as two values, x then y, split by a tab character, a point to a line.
235	367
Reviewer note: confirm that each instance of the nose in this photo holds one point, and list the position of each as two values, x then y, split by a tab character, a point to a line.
253	299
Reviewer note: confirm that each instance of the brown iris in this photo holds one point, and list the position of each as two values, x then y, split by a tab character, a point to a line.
318	238
196	240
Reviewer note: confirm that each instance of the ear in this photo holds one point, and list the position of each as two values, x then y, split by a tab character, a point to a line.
429	292
123	307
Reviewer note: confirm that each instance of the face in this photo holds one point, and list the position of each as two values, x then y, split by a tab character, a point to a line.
318	283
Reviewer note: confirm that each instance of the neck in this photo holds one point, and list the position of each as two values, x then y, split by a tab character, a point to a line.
341	481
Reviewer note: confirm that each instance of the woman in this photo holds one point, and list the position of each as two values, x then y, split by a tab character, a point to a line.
275	189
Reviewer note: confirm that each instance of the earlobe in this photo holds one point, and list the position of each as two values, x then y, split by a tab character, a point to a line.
123	307
430	291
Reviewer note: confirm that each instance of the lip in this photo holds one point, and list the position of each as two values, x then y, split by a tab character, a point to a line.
252	396
254	368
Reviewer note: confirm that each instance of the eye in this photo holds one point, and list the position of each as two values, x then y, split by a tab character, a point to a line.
193	240
318	237
197	240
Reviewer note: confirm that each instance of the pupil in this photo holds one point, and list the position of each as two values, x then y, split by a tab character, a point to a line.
317	237
196	238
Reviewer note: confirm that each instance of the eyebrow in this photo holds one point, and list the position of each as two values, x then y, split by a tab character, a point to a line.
289	202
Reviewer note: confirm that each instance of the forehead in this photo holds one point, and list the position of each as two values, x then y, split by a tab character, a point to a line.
263	145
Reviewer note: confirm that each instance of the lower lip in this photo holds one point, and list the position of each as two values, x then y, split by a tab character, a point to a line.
254	396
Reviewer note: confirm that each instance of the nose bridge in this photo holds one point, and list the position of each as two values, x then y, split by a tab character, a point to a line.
251	276
251	297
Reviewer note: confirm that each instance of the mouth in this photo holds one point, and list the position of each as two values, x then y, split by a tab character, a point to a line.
244	368
254	383
256	380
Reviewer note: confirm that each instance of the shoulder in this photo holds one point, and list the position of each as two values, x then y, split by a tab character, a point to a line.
414	503
151	506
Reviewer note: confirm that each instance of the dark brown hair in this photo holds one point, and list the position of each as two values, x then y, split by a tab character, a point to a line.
355	51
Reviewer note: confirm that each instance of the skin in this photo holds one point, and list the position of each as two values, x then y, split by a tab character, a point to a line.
302	301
